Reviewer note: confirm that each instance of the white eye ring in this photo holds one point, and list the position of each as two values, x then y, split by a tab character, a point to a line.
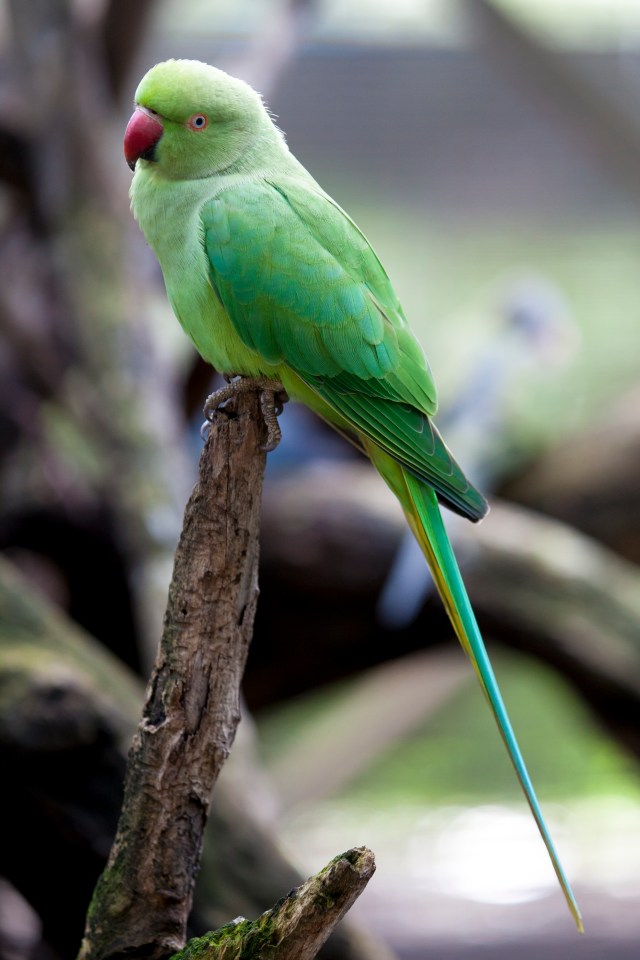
197	122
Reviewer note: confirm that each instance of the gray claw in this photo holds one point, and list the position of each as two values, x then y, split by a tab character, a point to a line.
272	399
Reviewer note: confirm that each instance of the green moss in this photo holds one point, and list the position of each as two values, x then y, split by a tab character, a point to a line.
244	940
250	940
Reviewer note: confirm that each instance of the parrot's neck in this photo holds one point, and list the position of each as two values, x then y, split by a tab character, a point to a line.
153	193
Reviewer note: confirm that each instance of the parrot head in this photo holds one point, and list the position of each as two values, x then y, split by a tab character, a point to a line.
192	120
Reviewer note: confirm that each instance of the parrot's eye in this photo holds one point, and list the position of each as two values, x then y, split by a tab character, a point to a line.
197	122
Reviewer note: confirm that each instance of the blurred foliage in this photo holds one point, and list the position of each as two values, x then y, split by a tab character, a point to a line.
456	757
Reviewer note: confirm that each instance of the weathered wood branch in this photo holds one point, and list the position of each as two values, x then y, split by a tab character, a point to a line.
298	925
143	899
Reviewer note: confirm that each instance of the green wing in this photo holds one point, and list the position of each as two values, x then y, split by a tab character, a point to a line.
303	287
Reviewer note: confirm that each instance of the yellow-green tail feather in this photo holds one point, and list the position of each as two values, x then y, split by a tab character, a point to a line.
423	514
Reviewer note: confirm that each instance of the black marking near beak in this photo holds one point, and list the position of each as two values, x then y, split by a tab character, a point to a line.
149	154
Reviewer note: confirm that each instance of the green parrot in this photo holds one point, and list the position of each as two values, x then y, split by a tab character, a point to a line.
272	280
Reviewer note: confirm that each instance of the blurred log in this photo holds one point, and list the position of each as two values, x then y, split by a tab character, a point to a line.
55	550
68	710
326	550
535	584
590	480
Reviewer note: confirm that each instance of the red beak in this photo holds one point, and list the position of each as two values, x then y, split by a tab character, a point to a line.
141	136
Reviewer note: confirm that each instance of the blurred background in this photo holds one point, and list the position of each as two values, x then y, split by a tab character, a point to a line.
491	153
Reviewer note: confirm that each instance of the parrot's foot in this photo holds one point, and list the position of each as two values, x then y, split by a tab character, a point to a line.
273	397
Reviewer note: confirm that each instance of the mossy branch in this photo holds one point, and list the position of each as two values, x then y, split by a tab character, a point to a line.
297	926
142	900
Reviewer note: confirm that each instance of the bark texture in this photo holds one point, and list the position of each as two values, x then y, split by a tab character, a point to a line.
297	926
143	899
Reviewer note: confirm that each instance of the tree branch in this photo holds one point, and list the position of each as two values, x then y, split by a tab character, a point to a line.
142	901
297	926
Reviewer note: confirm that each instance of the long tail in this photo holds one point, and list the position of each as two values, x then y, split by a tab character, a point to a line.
423	514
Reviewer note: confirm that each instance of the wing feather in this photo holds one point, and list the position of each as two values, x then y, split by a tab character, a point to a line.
303	287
